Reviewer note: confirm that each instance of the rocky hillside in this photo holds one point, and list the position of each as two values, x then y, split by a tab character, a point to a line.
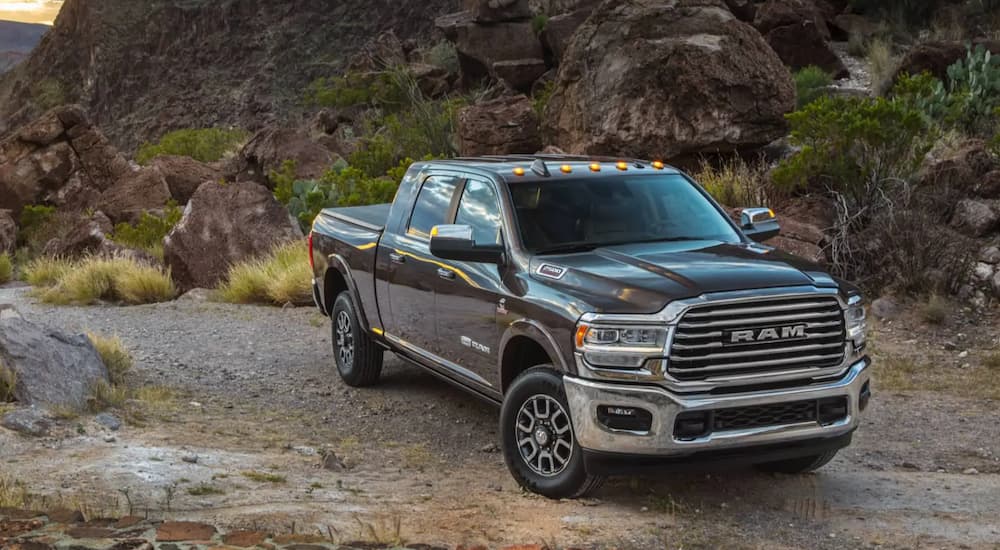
142	67
16	41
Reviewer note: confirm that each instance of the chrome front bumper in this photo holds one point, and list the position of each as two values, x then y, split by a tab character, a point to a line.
585	396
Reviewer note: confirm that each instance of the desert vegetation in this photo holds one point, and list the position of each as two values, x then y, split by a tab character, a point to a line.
203	144
97	279
282	277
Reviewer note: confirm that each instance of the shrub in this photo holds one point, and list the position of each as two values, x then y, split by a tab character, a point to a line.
8	383
284	276
882	64
6	268
94	279
48	93
935	310
540	99
810	84
106	396
737	183
443	54
46	271
205	144
375	89
854	147
148	233
115	355
974	90
36	226
539	22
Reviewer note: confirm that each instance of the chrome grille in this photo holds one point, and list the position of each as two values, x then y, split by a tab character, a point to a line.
746	338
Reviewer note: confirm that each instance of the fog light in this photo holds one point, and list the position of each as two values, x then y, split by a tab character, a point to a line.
632	419
691	425
864	396
831	410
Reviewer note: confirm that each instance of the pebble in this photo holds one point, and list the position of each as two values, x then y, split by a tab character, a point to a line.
190	459
110	439
970	471
963	354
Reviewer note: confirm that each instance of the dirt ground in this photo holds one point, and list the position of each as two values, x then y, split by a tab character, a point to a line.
257	402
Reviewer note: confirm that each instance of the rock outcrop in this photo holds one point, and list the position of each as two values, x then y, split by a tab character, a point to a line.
53	368
268	150
184	175
499	126
222	225
482	45
936	56
649	79
797	31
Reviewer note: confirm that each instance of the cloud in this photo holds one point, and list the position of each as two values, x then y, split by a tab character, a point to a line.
30	11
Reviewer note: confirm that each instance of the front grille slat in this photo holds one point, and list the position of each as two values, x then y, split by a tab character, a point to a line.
792	334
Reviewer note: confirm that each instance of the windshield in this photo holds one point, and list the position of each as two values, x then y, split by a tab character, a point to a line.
567	215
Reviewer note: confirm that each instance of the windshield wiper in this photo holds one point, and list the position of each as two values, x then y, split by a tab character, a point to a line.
569	247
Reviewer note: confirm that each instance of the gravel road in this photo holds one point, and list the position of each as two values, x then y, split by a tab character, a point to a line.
257	393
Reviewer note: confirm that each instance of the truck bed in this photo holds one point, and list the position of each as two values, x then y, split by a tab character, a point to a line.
372	217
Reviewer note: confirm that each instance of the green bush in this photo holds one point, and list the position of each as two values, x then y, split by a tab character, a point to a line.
48	93
204	144
281	277
540	99
810	84
149	232
6	268
376	89
539	22
853	147
36	227
443	54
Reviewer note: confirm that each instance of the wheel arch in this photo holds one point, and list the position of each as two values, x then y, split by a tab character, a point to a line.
338	279
526	344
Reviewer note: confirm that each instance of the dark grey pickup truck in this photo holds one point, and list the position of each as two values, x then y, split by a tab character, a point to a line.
619	317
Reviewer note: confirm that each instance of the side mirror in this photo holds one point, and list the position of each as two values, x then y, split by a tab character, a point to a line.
760	224
455	242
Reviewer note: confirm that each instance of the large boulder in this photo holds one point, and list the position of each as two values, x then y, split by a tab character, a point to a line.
520	74
8	231
184	175
499	126
52	368
976	218
797	32
744	10
222	225
479	46
494	11
86	234
936	56
666	80
963	167
136	192
270	148
782	13
559	31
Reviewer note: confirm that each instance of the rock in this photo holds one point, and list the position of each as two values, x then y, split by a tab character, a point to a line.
53	368
196	295
139	191
110	439
494	11
244	539
480	46
8	232
332	462
222	225
520	74
190	458
702	82
28	421
988	186
82	235
801	45
970	471
936	56
559	30
433	81
962	167
995	283
975	218
500	126
744	10
109	421
990	255
183	175
180	531
773	14
268	150
886	308
982	271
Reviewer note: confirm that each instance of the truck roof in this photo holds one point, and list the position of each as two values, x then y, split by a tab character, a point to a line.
513	168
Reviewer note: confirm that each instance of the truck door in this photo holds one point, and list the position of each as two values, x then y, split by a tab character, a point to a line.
412	271
468	293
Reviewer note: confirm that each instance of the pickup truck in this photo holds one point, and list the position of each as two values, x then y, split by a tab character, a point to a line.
619	317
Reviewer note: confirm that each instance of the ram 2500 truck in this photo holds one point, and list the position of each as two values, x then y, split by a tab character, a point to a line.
615	312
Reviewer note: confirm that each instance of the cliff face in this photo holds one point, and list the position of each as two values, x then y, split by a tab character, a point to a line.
144	67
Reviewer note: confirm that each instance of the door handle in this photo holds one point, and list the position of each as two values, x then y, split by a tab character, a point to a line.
397	258
446	273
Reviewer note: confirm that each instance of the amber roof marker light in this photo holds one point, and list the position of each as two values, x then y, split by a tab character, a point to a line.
518	171
566	169
595	167
658	164
622	165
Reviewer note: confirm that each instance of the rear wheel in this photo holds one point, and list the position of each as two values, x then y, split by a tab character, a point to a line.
539	447
799	465
358	357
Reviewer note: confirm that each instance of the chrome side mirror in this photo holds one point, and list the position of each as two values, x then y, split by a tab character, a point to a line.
760	224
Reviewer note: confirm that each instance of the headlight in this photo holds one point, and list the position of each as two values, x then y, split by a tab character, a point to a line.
620	347
855	317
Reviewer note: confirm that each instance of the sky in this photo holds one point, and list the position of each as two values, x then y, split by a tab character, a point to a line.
30	11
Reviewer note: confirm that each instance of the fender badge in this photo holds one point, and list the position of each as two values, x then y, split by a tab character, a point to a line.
502	307
551	271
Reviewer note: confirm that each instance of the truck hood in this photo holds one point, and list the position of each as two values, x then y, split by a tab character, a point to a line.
644	278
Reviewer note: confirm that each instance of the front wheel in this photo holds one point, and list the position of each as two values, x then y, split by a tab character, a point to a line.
539	447
358	357
799	465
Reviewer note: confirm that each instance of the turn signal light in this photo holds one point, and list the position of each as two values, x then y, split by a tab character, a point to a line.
622	166
581	333
519	171
312	262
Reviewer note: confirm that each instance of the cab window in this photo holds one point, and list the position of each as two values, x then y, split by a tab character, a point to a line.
432	205
480	209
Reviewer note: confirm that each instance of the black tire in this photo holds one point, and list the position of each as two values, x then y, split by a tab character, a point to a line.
543	386
799	465
360	365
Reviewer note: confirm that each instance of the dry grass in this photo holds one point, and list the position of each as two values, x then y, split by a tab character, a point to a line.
116	356
8	382
935	311
106	396
204	490
282	277
6	268
736	182
898	373
882	64
94	279
992	361
263	477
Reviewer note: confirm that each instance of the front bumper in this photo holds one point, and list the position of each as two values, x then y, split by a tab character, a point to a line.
585	396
